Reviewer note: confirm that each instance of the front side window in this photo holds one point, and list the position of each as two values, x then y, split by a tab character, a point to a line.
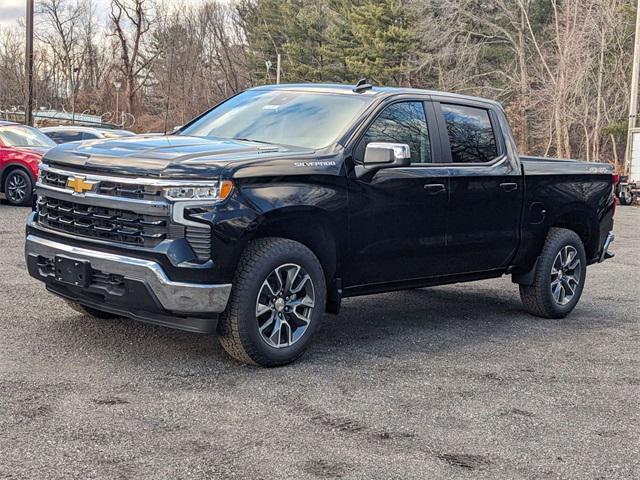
403	122
470	133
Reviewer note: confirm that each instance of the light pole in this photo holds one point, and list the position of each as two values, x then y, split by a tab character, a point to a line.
28	109
117	86
74	77
633	101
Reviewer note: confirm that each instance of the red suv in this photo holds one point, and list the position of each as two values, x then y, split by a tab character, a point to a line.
21	148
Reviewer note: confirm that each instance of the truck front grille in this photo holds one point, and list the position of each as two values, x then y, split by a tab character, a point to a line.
102	223
109	188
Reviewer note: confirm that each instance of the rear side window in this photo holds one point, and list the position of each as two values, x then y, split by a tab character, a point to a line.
66	136
471	135
403	122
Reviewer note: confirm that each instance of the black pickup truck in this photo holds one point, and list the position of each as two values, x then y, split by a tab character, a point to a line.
260	215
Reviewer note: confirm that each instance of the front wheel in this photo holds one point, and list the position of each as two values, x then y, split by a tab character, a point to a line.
559	277
276	304
18	187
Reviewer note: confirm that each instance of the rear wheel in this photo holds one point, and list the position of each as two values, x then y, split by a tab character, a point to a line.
559	277
626	197
276	305
18	187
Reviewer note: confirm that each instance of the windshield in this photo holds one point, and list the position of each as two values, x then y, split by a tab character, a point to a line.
300	119
23	136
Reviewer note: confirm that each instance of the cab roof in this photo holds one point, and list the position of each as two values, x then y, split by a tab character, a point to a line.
337	88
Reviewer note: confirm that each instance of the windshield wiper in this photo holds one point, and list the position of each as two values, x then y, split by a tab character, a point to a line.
252	140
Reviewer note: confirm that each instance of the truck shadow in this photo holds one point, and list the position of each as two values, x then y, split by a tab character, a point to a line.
387	325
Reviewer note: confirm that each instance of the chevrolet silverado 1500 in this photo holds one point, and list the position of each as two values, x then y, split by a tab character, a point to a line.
260	215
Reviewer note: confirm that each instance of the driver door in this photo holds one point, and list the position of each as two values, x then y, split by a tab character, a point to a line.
398	216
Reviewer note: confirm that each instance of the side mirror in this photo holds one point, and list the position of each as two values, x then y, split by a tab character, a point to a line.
387	154
384	155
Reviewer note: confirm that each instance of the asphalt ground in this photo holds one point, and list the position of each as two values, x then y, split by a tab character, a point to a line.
453	382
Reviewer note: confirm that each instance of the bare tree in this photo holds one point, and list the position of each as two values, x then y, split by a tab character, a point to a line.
130	20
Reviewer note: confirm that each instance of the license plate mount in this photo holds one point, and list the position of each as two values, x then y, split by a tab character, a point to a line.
72	271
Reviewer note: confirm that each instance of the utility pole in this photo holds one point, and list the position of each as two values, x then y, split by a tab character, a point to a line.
117	86
28	109
278	71
633	101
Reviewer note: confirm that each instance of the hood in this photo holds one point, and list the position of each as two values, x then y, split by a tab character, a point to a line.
36	151
175	156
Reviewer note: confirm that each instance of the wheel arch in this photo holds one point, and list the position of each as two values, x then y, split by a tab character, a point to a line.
582	221
576	217
314	228
8	168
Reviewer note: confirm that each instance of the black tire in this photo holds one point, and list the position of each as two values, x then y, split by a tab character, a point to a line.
18	187
538	298
626	198
238	327
92	311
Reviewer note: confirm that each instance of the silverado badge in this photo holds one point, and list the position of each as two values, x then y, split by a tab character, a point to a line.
79	184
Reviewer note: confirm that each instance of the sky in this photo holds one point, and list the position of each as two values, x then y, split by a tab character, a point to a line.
10	11
13	10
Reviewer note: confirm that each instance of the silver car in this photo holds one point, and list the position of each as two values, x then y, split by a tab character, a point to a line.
74	133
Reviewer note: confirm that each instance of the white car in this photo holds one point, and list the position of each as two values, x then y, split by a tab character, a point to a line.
74	133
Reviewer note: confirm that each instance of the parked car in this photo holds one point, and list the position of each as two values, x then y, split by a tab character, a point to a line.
74	133
264	212
21	148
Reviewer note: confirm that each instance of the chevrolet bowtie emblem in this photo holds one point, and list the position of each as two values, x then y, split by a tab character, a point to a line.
79	184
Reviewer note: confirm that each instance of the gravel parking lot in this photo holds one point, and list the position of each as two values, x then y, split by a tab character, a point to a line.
448	382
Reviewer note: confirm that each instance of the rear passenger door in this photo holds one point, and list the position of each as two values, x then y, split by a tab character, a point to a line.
486	189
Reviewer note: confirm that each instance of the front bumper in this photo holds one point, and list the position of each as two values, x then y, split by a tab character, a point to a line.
130	286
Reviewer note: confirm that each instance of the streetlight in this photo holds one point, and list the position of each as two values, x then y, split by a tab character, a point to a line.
74	78
117	86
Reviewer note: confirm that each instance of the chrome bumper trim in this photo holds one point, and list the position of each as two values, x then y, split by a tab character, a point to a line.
173	296
605	248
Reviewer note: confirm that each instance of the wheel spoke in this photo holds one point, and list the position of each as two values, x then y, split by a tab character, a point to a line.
292	273
301	317
261	309
556	291
267	323
276	333
304	301
569	291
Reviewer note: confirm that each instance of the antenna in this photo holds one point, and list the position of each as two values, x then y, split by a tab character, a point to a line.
362	86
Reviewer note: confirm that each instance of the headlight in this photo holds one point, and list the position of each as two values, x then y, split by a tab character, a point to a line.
215	191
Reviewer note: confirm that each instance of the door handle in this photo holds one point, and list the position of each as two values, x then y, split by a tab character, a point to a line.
509	187
433	188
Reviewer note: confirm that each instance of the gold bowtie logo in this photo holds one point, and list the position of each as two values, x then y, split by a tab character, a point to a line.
79	184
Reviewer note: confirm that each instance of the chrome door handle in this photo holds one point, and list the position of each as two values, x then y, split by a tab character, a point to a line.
509	187
433	188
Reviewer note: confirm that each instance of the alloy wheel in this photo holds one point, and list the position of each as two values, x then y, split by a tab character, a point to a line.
16	188
565	275
284	306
